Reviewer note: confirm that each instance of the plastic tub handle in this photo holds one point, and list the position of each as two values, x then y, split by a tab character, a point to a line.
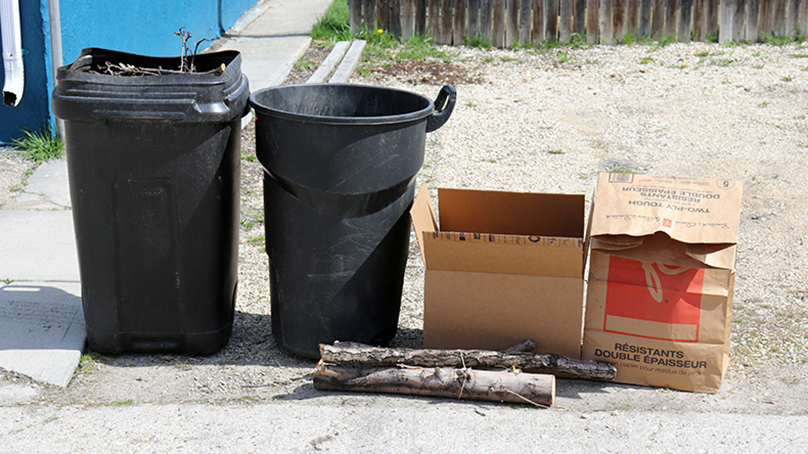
444	105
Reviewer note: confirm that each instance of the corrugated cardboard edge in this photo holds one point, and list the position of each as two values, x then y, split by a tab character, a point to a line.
423	217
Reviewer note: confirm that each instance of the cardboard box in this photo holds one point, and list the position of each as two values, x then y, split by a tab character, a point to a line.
661	277
502	267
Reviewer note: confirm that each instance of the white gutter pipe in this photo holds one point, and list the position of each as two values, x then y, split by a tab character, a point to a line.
12	52
55	21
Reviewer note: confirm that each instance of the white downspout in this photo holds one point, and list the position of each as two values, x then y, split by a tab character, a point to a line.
56	50
12	52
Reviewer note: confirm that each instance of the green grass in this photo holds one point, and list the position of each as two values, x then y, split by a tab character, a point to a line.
665	41
776	40
422	48
629	38
306	64
88	363
249	157
39	146
477	41
334	25
256	239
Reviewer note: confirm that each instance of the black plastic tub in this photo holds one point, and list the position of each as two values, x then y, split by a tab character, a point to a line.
154	170
340	163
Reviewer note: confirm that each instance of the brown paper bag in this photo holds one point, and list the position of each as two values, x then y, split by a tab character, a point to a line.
661	277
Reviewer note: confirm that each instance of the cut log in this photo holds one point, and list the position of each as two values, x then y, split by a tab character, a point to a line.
528	362
499	386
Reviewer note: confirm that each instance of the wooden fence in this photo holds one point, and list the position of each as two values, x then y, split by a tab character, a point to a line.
503	23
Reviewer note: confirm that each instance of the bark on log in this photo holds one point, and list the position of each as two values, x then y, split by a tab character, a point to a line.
500	386
528	362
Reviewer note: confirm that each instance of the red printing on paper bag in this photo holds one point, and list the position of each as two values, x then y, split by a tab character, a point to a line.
653	300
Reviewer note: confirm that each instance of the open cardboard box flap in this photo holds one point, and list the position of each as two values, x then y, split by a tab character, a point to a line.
502	267
501	232
678	221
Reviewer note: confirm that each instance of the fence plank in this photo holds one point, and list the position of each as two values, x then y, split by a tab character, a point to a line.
725	26
372	14
446	20
511	22
498	22
606	25
474	18
633	17
551	20
752	15
699	16
644	25
538	20
393	17
738	27
407	19
792	16
355	16
670	19
485	19
420	17
565	19
433	18
685	16
766	23
524	21
804	19
779	26
366	5
712	18
382	15
618	19
658	24
592	19
580	18
459	22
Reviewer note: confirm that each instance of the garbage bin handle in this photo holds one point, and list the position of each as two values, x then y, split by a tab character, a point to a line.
444	105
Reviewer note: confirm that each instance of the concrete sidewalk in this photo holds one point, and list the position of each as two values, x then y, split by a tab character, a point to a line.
42	330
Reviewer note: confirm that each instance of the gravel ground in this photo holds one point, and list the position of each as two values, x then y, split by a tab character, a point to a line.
549	122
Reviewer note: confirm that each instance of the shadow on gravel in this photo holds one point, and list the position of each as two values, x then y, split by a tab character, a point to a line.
571	388
307	392
251	344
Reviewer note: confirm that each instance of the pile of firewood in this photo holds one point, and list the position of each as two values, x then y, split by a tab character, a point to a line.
515	375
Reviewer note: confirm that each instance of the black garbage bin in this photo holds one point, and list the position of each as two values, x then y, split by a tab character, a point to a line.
340	162
154	169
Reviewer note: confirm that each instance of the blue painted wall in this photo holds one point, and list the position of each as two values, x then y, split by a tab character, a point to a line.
144	27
